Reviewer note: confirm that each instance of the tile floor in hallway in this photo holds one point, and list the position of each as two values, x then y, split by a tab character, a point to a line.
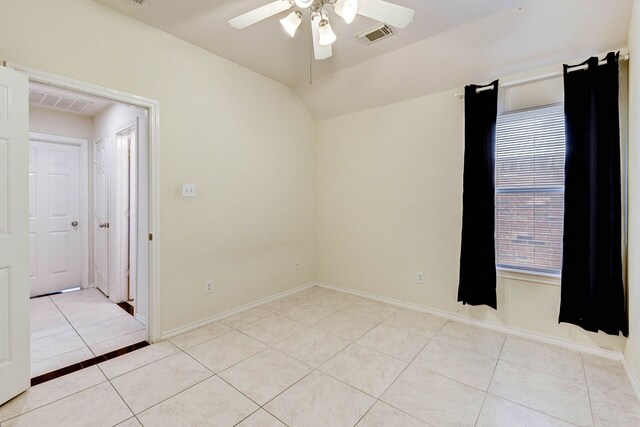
75	326
323	358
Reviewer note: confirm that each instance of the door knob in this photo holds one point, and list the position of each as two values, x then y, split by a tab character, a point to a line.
74	224
104	225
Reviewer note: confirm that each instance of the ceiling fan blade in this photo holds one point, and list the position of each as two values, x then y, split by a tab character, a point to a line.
385	12
320	52
257	15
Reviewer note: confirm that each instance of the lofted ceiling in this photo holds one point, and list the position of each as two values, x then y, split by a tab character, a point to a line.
449	43
265	47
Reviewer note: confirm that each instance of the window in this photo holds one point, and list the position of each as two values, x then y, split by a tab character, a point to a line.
530	189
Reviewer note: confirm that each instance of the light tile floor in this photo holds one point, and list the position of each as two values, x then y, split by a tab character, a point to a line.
76	326
322	358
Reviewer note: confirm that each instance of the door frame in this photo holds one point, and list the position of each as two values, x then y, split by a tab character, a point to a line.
153	327
83	144
94	234
118	182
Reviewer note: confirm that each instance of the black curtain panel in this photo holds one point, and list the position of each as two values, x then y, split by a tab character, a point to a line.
592	288
477	284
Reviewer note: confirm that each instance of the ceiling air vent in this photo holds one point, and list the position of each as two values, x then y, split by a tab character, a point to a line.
139	1
58	102
376	34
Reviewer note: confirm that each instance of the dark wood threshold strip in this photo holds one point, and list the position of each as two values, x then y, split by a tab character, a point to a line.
127	307
66	291
85	364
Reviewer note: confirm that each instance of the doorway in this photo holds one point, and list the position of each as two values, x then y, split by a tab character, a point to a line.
14	216
58	257
83	215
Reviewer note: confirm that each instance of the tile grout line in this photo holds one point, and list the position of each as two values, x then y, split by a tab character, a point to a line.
59	355
222	379
114	337
533	409
247	417
121	398
195	345
261	351
313	369
87	346
495	367
586	381
396	379
93	324
74	328
317	369
536	369
167	398
139	367
173	395
56	400
511	401
352	342
170	397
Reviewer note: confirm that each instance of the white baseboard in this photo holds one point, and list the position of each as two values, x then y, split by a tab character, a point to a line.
212	319
509	330
602	352
140	318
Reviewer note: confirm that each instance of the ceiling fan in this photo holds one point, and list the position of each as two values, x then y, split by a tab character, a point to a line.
322	34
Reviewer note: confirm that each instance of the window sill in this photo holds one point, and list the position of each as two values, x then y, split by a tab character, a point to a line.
528	276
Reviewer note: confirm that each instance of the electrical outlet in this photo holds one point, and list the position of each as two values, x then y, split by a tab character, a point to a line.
188	190
208	287
297	265
420	277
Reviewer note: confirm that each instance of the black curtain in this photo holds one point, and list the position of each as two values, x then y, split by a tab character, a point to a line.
592	289
477	284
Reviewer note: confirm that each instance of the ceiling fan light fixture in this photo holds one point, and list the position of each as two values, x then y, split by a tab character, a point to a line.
303	4
327	36
346	9
292	22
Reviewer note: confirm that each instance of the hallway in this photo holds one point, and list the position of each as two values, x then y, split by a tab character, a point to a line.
75	326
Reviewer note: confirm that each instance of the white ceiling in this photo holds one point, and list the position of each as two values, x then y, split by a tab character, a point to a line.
267	49
449	43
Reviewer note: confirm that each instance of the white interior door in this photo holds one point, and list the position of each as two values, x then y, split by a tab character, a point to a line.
55	261
122	267
101	215
14	188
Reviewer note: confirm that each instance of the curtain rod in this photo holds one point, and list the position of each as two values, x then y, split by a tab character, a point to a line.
540	78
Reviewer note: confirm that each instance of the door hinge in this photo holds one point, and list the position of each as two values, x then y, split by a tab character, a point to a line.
126	273
127	213
150	236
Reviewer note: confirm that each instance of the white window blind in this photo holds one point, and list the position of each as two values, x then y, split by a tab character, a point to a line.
530	149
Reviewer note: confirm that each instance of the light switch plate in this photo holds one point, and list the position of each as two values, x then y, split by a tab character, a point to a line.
188	190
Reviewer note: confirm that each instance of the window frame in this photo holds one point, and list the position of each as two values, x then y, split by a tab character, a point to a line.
511	272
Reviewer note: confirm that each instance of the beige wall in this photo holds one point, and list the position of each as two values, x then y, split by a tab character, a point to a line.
632	353
43	120
389	203
388	183
244	140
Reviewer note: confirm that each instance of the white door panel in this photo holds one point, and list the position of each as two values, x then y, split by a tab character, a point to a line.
14	211
54	181
101	215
